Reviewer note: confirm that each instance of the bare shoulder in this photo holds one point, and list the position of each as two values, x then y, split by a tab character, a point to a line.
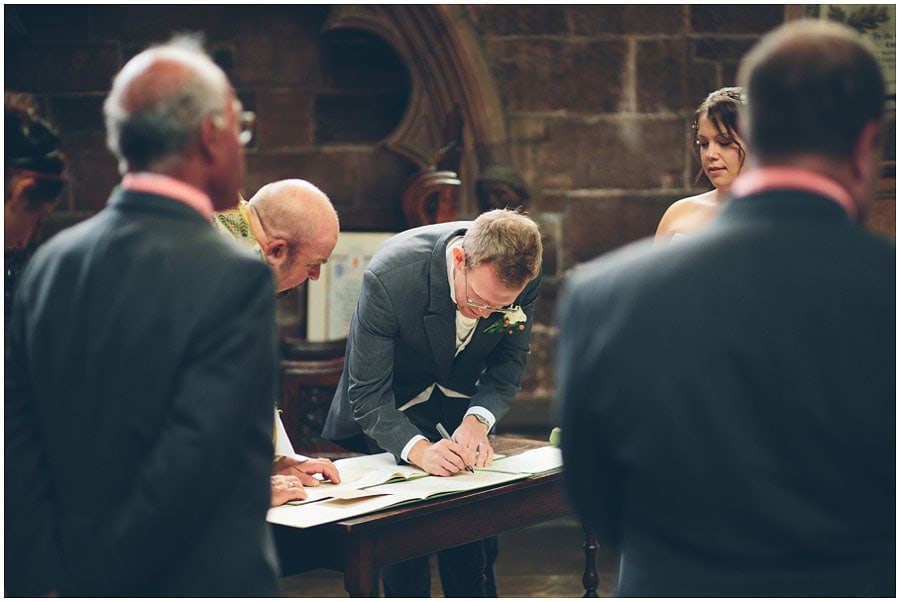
687	214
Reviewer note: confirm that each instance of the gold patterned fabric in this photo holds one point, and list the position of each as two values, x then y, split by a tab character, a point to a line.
236	223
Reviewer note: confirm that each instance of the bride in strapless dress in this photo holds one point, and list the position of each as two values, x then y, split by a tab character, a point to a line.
722	155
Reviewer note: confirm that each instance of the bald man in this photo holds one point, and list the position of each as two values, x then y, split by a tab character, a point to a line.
293	226
289	223
138	428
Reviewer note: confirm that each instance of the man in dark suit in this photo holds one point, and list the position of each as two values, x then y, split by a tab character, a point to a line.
141	366
728	404
441	334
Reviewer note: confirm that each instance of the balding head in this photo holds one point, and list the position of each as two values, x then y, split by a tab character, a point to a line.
157	104
815	101
812	86
300	229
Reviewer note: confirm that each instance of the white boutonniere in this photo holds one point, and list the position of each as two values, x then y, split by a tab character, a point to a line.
512	319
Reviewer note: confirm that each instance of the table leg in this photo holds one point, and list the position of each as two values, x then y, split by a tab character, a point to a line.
591	577
359	571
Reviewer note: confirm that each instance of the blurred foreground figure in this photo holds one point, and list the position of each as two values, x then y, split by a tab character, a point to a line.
728	403
141	366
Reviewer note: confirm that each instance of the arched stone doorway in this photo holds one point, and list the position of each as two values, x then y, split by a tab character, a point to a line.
446	67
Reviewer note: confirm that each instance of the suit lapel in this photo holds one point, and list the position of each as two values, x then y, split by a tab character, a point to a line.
440	322
480	340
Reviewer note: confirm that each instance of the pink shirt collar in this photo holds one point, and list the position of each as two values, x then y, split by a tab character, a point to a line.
794	178
165	186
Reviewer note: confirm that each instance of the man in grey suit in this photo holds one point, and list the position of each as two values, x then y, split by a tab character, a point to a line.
441	334
728	402
141	366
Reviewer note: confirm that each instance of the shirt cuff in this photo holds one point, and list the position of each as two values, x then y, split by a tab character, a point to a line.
404	455
484	413
299	457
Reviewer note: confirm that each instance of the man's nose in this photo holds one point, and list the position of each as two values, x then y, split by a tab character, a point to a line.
314	272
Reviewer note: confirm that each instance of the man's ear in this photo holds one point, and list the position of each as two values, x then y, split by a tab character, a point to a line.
210	135
867	151
277	251
459	256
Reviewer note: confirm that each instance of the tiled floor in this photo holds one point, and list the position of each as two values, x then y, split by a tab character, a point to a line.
545	561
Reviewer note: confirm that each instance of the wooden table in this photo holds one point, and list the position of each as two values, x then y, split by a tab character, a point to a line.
361	546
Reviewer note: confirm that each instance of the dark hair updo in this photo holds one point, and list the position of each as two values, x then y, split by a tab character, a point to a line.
722	108
32	148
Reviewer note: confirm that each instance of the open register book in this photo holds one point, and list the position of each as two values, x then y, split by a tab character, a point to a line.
376	482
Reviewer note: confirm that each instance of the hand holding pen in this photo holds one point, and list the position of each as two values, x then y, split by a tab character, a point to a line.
472	434
443	432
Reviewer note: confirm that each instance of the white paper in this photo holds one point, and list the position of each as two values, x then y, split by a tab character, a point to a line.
363	488
283	446
533	461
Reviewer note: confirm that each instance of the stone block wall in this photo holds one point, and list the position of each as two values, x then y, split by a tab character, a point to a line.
596	101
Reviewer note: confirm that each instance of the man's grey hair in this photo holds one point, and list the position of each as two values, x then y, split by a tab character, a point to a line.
154	129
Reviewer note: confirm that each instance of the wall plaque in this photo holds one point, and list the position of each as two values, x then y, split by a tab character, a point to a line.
332	298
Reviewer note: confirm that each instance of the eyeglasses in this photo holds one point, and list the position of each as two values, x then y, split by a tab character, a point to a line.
245	122
477	304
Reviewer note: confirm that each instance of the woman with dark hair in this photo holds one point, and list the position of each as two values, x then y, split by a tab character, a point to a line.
34	168
721	152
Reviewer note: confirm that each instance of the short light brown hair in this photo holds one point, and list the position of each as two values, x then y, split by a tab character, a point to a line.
509	241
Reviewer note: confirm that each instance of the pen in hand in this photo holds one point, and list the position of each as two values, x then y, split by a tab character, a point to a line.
446	435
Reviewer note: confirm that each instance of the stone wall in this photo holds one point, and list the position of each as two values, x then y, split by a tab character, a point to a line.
598	100
595	101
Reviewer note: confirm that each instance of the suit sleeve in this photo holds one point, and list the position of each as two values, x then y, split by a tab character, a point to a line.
505	365
371	367
220	418
584	374
31	562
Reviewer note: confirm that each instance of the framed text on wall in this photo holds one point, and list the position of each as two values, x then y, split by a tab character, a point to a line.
332	298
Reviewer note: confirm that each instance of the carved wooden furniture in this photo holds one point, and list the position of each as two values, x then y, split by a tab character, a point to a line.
310	374
431	197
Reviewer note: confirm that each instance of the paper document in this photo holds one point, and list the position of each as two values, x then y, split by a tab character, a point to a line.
375	469
462	481
384	496
376	482
358	473
533	461
327	511
283	446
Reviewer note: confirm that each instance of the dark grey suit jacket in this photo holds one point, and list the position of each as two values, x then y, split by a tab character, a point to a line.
728	405
402	339
140	374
